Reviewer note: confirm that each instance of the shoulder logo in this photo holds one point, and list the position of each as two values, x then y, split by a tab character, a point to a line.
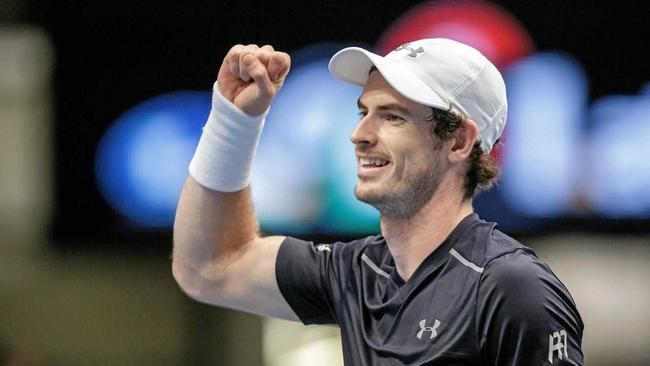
413	52
557	341
424	328
322	247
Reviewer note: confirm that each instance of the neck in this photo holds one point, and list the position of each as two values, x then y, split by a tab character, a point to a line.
411	240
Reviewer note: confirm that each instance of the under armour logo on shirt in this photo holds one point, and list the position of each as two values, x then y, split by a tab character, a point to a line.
557	342
424	328
413	52
322	247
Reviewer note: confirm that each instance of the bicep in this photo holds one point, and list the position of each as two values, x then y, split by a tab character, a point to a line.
245	280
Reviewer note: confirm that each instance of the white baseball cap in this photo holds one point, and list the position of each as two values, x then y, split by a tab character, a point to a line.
436	72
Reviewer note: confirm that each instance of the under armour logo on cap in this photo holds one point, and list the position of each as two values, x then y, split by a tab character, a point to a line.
413	52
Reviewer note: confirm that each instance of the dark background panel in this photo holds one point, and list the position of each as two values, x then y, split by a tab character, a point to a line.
111	55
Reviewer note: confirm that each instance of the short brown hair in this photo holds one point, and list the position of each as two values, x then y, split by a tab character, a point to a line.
483	169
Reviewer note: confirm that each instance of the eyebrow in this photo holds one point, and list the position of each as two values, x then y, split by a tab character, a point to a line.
384	107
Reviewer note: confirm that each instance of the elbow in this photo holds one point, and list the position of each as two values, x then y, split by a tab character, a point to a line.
194	284
188	280
183	277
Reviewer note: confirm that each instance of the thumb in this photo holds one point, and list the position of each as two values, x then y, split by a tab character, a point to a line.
258	72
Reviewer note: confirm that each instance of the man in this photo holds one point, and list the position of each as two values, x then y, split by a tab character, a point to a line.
439	286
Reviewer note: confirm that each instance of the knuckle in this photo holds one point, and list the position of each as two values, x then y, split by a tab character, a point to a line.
235	49
275	57
241	57
282	57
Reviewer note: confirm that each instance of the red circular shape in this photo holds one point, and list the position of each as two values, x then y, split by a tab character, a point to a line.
484	26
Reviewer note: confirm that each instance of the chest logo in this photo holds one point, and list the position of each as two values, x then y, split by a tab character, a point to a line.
424	328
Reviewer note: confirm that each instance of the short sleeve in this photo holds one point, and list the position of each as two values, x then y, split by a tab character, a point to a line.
303	272
525	315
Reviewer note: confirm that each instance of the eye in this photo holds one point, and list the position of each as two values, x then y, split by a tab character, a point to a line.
394	118
362	114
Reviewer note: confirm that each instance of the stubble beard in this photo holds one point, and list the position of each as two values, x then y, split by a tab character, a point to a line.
404	199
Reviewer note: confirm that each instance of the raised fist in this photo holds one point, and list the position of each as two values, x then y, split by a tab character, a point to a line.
250	76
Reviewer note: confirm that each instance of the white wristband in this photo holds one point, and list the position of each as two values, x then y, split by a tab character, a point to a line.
224	156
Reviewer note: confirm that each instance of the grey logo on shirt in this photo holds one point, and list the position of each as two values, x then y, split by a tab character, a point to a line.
424	328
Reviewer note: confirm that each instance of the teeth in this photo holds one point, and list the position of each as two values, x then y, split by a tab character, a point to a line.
373	161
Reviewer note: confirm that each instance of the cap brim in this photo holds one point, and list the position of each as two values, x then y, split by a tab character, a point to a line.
352	65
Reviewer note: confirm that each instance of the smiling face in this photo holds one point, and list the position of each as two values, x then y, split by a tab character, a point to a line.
399	159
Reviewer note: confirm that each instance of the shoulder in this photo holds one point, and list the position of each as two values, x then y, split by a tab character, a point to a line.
512	272
347	246
339	251
516	271
520	284
368	244
513	267
482	243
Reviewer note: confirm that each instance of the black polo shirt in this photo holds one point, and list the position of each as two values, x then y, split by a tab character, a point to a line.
481	298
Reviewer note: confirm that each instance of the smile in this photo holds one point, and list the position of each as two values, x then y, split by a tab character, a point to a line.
372	162
371	166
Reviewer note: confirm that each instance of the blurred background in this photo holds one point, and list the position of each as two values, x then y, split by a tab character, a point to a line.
102	104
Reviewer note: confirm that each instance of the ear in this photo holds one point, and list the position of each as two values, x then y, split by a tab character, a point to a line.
463	142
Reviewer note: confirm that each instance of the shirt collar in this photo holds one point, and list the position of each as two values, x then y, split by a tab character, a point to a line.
435	258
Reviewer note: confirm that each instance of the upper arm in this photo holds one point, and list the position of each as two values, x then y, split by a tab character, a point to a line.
244	279
526	316
219	257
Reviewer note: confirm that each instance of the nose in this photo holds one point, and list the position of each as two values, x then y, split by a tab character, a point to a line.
365	132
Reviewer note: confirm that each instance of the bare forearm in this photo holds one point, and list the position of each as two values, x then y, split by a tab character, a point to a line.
211	225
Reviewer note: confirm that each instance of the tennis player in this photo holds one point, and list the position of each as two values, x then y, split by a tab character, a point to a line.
438	285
